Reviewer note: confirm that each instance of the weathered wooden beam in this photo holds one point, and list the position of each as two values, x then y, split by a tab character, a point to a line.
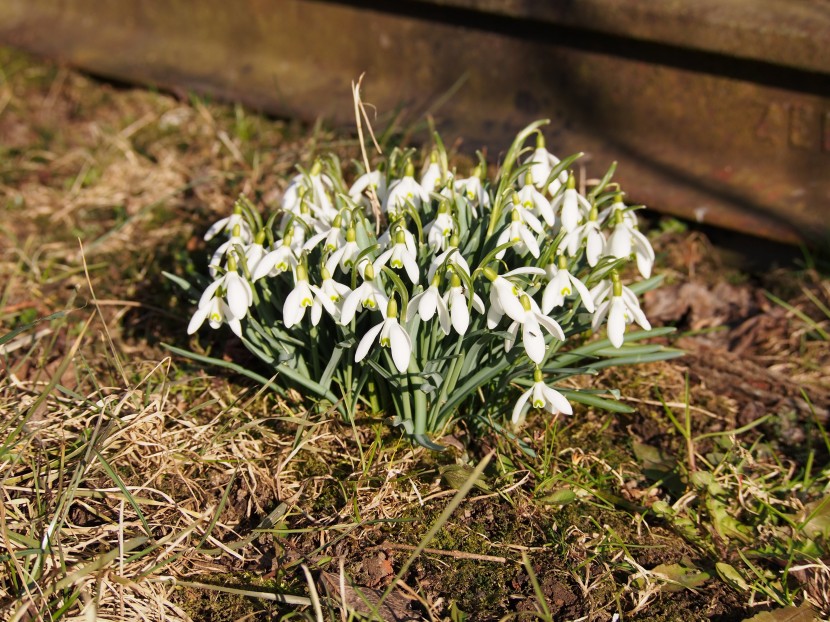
717	111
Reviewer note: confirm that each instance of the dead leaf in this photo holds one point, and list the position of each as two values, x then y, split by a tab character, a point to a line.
786	614
363	600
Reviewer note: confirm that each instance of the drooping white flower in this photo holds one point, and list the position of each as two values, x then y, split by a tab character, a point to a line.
521	232
298	300
451	258
620	305
333	236
504	295
627	238
427	303
456	301
609	214
228	224
402	255
542	163
330	295
440	230
431	179
572	206
535	202
318	187
589	234
541	397
281	259
255	252
473	190
373	179
367	296
346	255
403	191
561	284
532	323
235	241
391	335
226	300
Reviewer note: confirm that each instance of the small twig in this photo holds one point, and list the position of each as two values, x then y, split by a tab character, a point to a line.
360	111
454	554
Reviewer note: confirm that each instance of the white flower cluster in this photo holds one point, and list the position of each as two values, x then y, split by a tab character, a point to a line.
525	252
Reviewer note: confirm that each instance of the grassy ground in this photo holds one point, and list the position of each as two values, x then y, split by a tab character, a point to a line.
136	485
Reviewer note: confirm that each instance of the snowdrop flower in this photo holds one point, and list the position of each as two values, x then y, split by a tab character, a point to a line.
391	335
367	296
574	207
504	295
541	396
473	190
226	300
255	252
621	308
373	179
313	187
542	163
535	202
627	238
298	299
561	284
456	301
427	303
589	233
346	255
403	191
333	236
282	259
452	257
403	254
532	322
228	225
610	212
521	232
439	230
330	295
236	240
432	177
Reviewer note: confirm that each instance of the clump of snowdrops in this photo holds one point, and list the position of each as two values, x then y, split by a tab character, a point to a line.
431	294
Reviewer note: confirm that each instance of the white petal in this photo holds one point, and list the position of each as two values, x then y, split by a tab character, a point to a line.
411	268
616	321
508	300
427	304
584	294
533	340
198	319
265	265
459	314
552	326
556	402
512	333
530	242
444	316
519	407
599	315
350	306
236	326
238	295
293	310
400	344
366	342
207	295
593	249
